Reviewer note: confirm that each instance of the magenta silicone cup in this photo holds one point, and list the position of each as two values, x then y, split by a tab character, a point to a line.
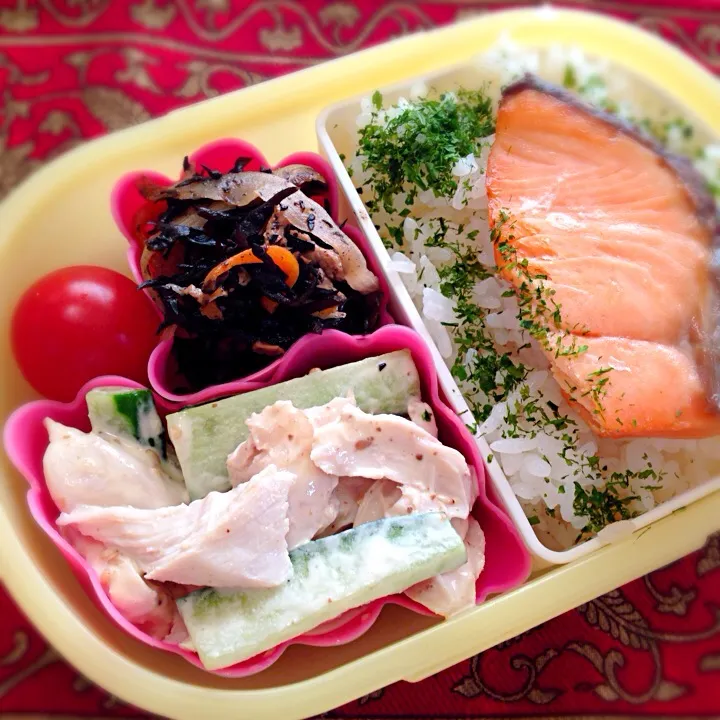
507	561
131	210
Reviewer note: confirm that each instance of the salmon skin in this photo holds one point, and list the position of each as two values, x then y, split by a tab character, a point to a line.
609	242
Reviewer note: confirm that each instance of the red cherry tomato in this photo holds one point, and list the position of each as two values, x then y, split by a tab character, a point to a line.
80	322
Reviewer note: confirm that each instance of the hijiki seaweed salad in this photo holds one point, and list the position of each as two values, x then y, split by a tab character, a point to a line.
557	240
244	263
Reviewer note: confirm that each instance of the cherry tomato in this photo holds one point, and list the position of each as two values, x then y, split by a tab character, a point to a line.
80	322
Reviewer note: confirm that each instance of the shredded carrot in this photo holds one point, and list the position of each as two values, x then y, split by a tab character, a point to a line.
286	261
281	256
327	312
268	304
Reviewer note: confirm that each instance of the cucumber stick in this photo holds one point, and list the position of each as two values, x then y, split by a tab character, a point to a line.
128	413
330	577
204	436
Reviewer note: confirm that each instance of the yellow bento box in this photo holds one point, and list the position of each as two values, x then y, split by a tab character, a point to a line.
61	216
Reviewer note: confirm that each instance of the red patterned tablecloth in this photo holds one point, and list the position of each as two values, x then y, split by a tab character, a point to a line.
74	69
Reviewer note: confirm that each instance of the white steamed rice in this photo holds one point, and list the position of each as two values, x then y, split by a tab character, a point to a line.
539	475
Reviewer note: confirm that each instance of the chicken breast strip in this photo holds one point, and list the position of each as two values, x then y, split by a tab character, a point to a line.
225	540
281	435
390	447
88	469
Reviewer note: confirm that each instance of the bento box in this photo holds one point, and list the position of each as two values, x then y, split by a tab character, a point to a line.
73	193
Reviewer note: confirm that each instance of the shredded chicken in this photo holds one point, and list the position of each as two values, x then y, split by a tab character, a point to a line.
90	469
358	468
150	608
453	591
233	539
348	497
390	447
281	435
378	501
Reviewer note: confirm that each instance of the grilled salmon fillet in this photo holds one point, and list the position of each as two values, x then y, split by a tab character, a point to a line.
607	240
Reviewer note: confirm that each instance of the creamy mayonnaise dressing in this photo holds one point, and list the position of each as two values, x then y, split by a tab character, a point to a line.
300	475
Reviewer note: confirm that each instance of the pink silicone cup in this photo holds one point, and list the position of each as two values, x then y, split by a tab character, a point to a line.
507	560
26	440
127	202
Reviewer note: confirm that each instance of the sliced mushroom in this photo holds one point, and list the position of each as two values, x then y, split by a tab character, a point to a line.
328	261
275	228
235	188
303	177
308	216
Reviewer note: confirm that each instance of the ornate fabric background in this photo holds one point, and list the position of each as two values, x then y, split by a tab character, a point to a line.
74	69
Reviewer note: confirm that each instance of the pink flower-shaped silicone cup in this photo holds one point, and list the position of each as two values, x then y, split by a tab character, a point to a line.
507	561
130	208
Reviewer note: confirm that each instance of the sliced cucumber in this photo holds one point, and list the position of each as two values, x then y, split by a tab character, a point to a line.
128	413
330	576
204	436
